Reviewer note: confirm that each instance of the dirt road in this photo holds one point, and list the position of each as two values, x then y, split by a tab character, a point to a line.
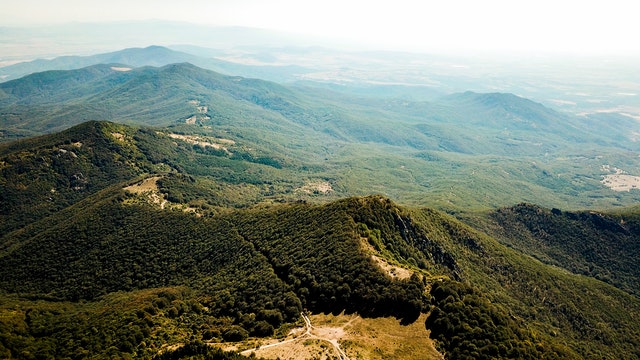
308	334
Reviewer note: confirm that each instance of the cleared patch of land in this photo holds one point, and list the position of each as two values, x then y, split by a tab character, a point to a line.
316	187
204	141
118	136
149	186
621	182
392	271
356	337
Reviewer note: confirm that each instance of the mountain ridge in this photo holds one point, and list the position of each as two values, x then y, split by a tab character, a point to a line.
329	133
153	55
509	118
134	57
199	261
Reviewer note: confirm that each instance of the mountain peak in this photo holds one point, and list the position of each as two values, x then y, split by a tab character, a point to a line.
505	109
503	99
153	55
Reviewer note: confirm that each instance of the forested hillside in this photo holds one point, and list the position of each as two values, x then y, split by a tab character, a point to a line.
41	176
465	151
596	244
273	262
173	276
122	241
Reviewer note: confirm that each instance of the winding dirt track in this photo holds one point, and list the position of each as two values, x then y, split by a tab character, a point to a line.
306	335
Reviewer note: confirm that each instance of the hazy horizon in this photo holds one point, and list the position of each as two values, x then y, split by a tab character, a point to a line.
463	26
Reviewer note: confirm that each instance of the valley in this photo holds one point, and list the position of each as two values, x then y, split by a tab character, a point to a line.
490	149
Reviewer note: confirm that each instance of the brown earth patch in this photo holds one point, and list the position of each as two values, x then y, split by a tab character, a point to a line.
355	337
204	141
148	184
621	182
119	68
393	271
316	187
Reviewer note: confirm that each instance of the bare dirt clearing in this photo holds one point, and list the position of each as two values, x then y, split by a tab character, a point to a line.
118	136
621	182
351	337
150	186
316	187
204	141
393	271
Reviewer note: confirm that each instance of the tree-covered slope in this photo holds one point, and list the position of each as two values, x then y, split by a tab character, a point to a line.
187	228
41	176
465	150
55	100
593	319
600	245
472	123
103	245
486	301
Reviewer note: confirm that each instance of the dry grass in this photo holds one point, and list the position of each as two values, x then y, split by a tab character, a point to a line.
316	187
204	141
149	184
621	182
380	338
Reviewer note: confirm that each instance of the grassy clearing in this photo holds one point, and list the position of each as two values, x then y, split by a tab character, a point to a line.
359	338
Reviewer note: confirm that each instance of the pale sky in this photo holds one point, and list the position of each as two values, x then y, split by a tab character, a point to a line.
556	26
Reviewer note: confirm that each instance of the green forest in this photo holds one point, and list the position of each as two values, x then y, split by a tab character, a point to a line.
112	278
137	242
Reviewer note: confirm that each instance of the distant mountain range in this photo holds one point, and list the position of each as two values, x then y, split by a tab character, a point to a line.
156	56
136	57
162	95
541	155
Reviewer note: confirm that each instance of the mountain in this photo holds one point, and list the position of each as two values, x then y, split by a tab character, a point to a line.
142	251
156	56
505	110
178	93
134	57
466	150
495	123
517	116
43	175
